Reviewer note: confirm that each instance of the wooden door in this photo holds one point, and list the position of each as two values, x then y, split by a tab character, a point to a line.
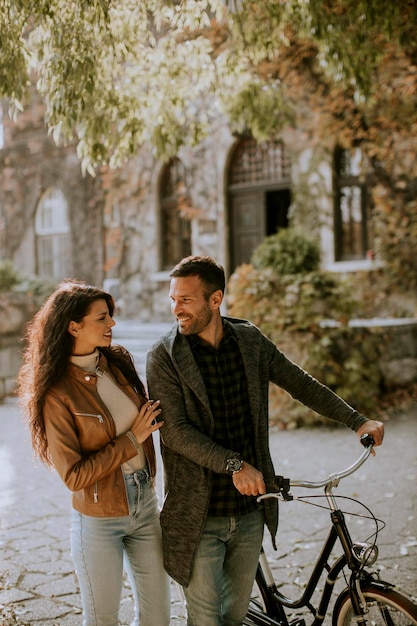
247	221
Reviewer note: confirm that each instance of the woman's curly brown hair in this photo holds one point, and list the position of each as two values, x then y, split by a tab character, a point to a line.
49	345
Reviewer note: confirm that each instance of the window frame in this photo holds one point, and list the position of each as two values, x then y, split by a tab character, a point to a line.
356	248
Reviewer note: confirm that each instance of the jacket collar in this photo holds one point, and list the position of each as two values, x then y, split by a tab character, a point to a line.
79	374
181	355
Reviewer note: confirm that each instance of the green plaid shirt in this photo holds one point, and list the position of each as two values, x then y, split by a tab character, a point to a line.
225	381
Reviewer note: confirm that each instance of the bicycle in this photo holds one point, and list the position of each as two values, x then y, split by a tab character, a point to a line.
366	599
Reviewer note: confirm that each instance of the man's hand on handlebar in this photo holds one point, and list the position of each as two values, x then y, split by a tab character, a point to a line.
373	428
249	481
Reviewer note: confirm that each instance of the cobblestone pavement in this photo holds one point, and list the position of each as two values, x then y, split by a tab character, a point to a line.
37	582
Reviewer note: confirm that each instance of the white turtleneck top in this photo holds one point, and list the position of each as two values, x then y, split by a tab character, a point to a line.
121	407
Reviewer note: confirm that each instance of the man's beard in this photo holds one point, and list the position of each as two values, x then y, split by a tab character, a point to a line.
196	325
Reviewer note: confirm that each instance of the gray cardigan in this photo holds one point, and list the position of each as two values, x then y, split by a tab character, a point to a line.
189	454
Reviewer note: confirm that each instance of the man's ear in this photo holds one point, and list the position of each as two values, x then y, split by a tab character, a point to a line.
73	329
217	299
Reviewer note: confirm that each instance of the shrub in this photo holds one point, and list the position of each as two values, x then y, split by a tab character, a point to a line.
306	316
287	252
33	287
36	288
9	276
283	304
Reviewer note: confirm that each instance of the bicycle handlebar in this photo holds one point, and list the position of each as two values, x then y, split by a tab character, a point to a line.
284	484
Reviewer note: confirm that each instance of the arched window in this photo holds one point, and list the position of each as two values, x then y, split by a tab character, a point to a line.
52	231
351	210
175	223
259	195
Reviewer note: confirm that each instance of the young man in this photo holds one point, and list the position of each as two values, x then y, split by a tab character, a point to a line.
211	374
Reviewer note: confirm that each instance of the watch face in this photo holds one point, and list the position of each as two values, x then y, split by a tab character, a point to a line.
233	465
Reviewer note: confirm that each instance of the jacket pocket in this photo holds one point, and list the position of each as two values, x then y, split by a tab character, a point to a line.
97	416
93	430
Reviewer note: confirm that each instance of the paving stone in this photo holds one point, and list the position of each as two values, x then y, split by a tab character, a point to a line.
14	595
58	587
33	579
41	610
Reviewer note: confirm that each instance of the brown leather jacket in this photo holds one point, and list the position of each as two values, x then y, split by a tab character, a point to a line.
82	440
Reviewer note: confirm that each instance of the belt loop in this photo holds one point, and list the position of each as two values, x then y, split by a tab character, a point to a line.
141	476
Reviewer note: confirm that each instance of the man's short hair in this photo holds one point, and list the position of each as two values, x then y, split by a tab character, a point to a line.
207	269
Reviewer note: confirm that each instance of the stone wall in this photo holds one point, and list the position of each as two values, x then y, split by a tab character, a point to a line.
31	163
134	189
10	355
398	364
15	312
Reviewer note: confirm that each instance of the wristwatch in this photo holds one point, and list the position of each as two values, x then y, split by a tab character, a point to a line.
234	465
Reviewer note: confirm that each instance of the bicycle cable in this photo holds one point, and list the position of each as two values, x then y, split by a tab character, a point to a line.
379	524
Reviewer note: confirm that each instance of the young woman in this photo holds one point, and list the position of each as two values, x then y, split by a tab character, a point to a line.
90	419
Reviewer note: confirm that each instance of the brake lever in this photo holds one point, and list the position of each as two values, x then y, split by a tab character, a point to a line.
282	486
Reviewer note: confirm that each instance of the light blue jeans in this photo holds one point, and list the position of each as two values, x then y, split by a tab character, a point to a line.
101	545
224	570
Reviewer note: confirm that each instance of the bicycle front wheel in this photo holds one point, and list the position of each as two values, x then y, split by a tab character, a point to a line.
385	607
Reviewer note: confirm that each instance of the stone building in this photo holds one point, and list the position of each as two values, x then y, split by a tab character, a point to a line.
50	216
126	228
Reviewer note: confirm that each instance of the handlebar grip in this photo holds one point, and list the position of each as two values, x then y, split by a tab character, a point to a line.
367	440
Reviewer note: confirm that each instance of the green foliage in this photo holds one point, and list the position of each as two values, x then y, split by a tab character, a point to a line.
163	69
9	276
358	26
286	303
260	107
118	76
33	287
306	316
13	51
287	252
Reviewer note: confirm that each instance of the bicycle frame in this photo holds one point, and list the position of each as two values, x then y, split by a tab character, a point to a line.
275	601
274	607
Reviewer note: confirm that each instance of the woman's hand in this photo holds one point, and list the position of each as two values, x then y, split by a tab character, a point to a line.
146	423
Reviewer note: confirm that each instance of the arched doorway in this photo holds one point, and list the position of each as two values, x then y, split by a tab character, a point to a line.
259	195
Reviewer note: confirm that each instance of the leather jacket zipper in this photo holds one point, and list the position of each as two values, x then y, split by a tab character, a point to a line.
96	415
